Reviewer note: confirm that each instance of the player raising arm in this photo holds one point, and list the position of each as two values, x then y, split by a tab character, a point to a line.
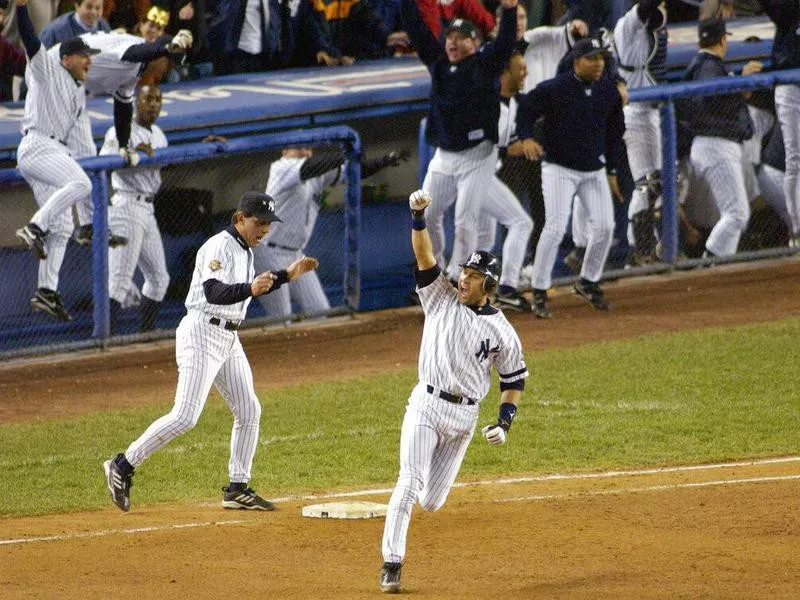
463	337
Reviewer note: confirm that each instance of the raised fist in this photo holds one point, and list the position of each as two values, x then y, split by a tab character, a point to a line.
419	201
130	156
494	434
181	43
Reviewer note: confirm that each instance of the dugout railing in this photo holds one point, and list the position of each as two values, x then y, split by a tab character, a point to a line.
23	332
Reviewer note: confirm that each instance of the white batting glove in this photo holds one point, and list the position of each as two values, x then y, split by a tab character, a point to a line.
130	156
494	434
181	42
419	200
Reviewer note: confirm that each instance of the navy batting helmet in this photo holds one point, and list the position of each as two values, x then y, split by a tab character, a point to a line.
486	263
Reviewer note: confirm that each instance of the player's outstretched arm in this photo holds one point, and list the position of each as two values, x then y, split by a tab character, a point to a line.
420	238
300	266
26	31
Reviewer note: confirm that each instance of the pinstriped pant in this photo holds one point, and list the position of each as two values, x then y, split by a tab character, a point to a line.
719	163
433	441
136	220
770	182
787	105
206	355
501	205
559	185
55	244
81	145
306	291
643	139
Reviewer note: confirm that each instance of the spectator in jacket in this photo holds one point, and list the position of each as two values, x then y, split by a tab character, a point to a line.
247	36
125	14
357	30
12	62
437	14
84	19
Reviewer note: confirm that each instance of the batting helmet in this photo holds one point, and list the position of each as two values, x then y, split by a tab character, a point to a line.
486	263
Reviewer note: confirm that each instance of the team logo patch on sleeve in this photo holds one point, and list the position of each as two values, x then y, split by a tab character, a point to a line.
215	265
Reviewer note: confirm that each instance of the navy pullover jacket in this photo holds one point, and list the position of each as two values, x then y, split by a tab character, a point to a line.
465	97
723	116
583	122
786	44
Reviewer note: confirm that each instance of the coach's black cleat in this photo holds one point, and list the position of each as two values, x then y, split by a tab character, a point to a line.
539	308
119	478
85	233
591	292
390	578
33	237
50	302
511	299
242	497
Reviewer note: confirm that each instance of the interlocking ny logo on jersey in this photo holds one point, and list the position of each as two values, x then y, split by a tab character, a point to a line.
486	350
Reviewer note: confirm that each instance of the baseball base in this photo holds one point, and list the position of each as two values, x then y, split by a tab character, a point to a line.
345	510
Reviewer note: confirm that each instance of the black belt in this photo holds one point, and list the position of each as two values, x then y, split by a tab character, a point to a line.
229	325
452	398
271	245
52	137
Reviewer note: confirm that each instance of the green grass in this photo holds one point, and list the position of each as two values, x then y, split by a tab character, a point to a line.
679	398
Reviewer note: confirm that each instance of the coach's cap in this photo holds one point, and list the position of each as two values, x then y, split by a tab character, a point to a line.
463	27
258	204
588	47
76	46
711	30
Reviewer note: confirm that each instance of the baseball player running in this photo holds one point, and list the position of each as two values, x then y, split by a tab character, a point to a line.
56	99
720	124
297	181
132	214
786	55
462	125
583	129
208	351
640	41
463	336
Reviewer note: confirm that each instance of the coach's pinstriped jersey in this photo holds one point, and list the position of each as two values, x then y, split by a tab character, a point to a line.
641	53
460	346
55	99
109	74
546	47
141	180
224	258
296	201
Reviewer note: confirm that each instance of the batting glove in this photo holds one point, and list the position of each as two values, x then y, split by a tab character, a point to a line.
494	434
130	156
419	201
181	43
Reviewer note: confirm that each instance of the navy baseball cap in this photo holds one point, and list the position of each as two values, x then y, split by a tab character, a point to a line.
588	47
484	262
260	205
711	30
76	45
463	27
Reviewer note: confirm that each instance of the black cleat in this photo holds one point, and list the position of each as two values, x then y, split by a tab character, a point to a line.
390	578
119	483
85	233
246	499
50	302
33	237
540	310
512	301
591	292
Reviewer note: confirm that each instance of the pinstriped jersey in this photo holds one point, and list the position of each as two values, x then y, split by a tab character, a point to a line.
296	201
141	180
55	100
638	49
109	74
224	258
546	47
460	346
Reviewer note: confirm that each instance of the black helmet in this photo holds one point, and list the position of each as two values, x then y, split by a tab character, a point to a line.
486	263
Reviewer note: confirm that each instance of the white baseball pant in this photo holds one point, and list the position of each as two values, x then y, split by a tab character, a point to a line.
719	163
770	181
55	244
787	105
306	291
643	140
207	354
559	185
501	205
136	220
81	145
433	441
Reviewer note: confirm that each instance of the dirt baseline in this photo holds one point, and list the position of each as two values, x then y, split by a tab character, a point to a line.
724	532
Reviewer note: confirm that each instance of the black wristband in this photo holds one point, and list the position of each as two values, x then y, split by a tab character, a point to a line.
418	220
506	417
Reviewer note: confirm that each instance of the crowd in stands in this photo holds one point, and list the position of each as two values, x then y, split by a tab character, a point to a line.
243	36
